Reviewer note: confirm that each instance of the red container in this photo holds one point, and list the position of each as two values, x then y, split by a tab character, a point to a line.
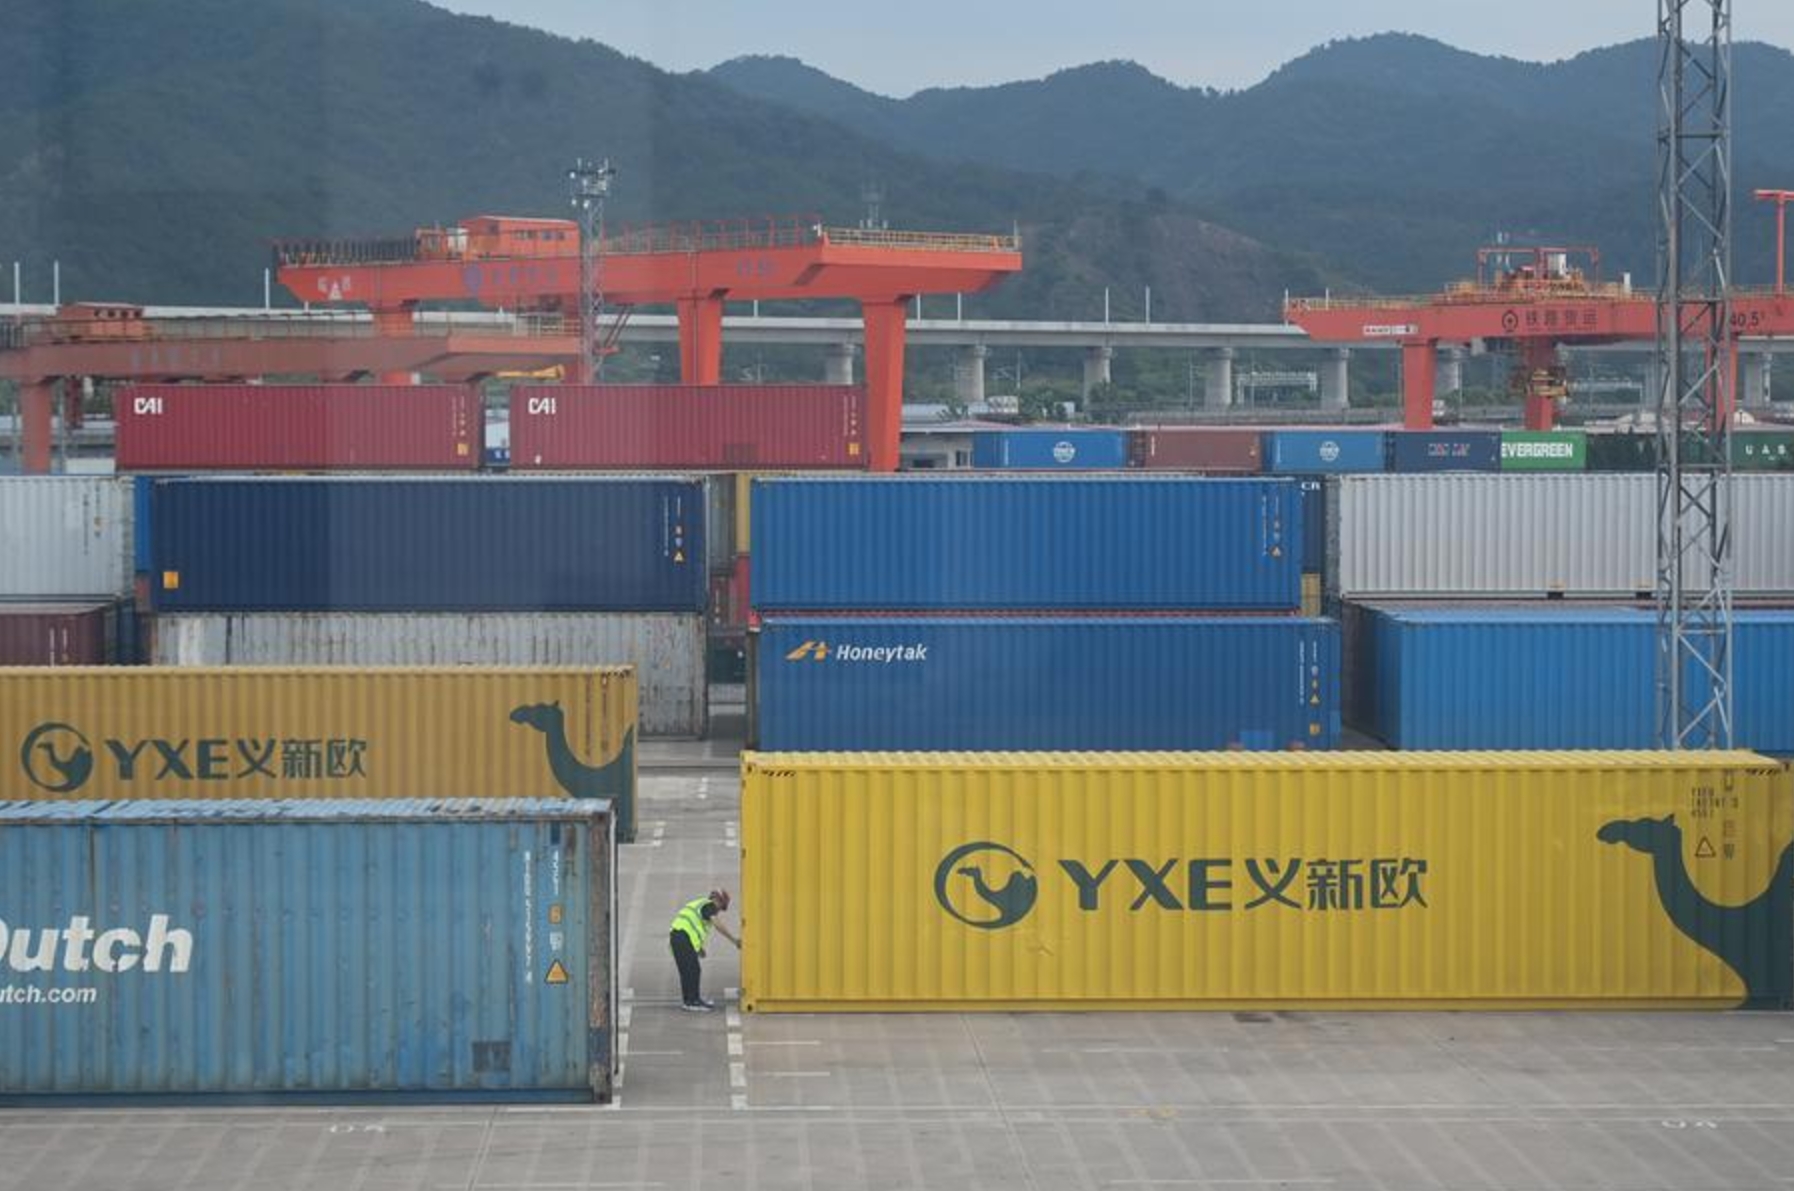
299	427
1196	448
57	634
702	427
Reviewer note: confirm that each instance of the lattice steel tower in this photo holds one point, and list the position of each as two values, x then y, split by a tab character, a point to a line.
1695	372
589	183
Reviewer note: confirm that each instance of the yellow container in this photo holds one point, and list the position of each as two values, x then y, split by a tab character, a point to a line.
1242	880
1311	594
744	492
318	732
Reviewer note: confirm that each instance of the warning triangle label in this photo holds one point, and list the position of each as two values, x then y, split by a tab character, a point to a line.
1703	850
557	973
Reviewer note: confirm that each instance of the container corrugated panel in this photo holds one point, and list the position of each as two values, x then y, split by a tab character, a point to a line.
688	426
299	427
1050	450
719	523
65	537
970	543
178	732
1550	677
666	649
308	949
1444	450
58	634
847	684
1323	452
1313	490
479	544
1216	881
1196	448
1573	535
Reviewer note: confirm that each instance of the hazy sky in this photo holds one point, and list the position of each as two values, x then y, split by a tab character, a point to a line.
900	46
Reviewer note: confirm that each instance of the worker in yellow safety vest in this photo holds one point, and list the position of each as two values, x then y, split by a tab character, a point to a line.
691	931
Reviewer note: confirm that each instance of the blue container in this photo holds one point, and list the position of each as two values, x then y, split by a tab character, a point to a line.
143	489
995	544
1557	678
1323	452
1444	450
1313	491
316	950
1050	450
1029	683
476	544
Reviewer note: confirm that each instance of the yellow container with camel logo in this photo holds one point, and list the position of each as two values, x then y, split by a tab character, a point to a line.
318	732
1263	880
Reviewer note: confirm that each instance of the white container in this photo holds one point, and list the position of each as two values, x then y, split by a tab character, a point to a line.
65	537
666	649
1533	536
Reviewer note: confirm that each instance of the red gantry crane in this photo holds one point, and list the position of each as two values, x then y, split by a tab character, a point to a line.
533	265
1551	298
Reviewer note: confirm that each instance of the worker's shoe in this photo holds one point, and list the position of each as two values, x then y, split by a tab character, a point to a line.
698	1006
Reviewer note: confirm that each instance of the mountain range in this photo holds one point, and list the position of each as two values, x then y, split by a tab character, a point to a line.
156	150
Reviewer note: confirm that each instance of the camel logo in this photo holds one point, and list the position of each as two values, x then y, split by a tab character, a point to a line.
976	864
613	779
816	651
1751	939
59	772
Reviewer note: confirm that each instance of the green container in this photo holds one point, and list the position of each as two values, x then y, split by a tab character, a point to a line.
1762	450
1544	450
1610	451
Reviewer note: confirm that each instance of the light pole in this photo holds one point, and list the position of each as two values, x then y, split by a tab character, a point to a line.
589	185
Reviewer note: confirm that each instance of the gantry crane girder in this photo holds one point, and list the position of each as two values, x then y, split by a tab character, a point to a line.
1535	323
695	268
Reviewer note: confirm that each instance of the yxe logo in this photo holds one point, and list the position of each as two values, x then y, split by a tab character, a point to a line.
1003	884
60	759
57	758
822	651
987	885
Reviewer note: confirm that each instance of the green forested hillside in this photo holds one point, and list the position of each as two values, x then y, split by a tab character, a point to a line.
157	148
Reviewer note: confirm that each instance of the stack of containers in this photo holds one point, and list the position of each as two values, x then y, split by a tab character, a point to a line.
65	571
726	431
1513	611
438	571
986	613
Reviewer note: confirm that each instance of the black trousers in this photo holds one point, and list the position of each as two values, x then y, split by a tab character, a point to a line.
686	956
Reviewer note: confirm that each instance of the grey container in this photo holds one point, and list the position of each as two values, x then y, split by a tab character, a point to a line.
666	649
1533	536
65	537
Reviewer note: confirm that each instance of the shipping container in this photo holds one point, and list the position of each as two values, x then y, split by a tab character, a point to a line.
1545	677
666	649
1312	594
1313	498
1324	452
1752	450
298	427
65	537
694	427
1017	544
1534	536
318	951
138	732
850	684
719	523
59	634
1444	450
479	544
1196	448
1240	881
1050	450
1544	450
